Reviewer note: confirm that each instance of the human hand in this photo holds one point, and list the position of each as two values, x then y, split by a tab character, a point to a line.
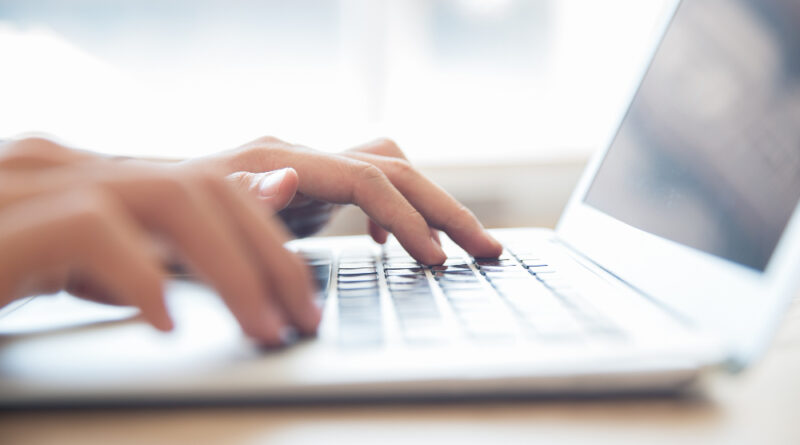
75	221
377	177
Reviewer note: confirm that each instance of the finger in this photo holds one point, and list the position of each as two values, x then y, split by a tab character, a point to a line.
275	188
340	180
377	232
384	204
287	275
86	231
386	147
118	261
179	207
382	147
439	208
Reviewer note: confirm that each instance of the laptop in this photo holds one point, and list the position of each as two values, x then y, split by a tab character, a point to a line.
676	256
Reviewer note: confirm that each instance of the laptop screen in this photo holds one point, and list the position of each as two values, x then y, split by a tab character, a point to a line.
708	154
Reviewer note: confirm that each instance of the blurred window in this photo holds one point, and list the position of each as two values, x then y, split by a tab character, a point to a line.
454	81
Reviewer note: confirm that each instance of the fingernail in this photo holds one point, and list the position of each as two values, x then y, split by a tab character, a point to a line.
270	183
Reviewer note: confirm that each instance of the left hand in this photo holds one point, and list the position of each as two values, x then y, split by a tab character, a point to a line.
375	176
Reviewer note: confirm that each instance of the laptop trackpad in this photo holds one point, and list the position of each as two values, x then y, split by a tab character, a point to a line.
61	338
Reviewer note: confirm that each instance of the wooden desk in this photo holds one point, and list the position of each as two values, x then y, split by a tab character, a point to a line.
761	406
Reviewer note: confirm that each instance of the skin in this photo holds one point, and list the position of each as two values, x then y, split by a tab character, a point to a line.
98	227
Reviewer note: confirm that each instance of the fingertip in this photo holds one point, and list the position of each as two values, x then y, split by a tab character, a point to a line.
481	244
378	233
154	308
267	330
312	319
164	324
435	256
495	247
158	318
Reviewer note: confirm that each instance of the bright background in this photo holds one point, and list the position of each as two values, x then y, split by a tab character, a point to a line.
499	100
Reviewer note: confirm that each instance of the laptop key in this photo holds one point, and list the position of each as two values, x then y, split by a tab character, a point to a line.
458	278
358	293
322	277
425	334
417	312
555	327
349	312
358	271
406	279
469	294
347	264
448	285
399	264
453	267
356	285
483	330
357	278
494	262
404	271
359	302
535	262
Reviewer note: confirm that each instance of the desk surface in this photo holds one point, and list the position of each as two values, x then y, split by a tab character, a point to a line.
758	406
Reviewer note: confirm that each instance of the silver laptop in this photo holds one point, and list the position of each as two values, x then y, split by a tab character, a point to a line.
677	254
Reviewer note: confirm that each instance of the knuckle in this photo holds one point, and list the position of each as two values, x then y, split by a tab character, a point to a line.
389	147
35	147
367	172
92	208
269	140
264	153
366	177
402	168
269	143
40	144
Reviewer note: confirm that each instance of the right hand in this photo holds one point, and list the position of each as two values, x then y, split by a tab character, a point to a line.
72	220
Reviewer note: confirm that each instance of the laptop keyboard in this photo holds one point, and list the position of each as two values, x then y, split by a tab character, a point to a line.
518	296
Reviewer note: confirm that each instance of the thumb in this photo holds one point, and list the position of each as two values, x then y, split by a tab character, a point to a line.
275	188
